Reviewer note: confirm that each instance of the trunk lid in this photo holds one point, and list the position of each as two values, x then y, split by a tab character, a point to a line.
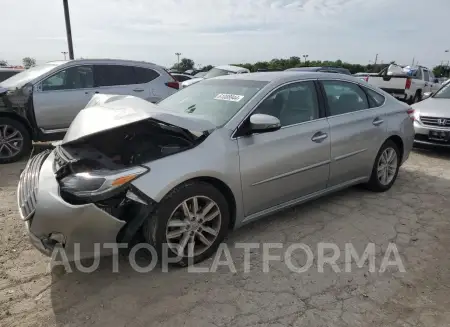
106	112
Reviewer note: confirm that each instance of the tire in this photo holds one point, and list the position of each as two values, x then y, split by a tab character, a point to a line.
7	153
156	227
417	97
374	183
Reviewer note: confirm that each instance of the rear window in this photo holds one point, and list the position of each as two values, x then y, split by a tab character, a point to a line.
214	100
218	72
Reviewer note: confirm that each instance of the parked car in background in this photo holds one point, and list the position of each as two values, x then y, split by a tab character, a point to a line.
408	88
432	118
210	158
6	72
324	69
181	77
364	76
40	103
200	74
217	71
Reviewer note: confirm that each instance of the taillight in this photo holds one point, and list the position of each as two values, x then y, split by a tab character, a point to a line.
173	85
408	83
410	113
366	78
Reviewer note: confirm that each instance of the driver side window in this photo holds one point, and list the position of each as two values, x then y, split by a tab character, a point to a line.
72	78
292	104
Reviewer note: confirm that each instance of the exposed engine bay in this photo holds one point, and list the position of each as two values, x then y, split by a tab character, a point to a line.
120	149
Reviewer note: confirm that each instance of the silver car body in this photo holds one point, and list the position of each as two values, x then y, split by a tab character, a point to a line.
54	109
432	116
260	174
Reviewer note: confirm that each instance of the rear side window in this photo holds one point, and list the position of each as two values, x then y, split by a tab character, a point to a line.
111	75
426	75
344	97
375	99
6	75
145	75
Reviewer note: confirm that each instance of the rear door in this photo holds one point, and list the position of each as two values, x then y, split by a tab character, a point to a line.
60	97
356	131
428	83
281	166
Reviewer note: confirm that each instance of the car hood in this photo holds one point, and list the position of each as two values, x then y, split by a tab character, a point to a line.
192	81
105	112
433	107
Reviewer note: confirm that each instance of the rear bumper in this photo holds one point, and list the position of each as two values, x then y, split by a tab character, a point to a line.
82	230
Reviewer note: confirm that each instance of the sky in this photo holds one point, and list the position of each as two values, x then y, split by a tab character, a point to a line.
228	31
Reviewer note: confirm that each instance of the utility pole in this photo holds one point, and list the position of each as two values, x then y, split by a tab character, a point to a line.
412	65
376	58
68	29
178	54
64	53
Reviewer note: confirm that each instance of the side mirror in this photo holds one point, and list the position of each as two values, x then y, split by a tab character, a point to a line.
260	123
427	95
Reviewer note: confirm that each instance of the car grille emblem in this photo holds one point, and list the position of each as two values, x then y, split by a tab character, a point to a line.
442	122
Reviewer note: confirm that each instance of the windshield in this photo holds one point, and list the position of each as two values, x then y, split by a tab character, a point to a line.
214	72
443	93
216	100
19	80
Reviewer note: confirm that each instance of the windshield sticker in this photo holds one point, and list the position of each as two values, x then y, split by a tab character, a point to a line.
229	97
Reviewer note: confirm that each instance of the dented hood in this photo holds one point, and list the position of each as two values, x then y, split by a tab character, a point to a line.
105	112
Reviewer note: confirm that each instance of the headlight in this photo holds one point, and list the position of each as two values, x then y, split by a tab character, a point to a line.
100	184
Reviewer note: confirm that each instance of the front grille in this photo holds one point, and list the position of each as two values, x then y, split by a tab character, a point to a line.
435	121
28	185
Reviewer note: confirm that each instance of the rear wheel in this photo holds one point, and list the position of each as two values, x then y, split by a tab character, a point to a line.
192	221
417	97
385	168
15	141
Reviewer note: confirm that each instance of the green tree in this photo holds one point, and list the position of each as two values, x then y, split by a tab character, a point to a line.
441	71
3	63
28	62
185	64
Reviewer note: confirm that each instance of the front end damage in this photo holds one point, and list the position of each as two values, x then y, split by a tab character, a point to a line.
80	196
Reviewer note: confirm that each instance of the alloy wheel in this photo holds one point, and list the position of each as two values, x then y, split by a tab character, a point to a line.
387	166
11	141
193	226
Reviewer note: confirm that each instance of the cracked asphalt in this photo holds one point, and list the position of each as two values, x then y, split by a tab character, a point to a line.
414	214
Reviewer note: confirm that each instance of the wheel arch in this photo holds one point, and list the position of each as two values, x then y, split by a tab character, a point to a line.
20	119
399	143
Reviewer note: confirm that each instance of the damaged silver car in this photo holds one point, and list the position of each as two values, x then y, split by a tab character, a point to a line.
210	158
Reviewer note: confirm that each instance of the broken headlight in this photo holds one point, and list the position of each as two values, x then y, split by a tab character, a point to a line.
100	184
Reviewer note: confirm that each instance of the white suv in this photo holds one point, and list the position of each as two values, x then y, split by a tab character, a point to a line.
40	103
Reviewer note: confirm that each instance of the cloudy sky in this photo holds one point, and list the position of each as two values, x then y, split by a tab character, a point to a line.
229	31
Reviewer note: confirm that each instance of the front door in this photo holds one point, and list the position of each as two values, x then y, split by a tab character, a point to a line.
60	97
357	131
281	166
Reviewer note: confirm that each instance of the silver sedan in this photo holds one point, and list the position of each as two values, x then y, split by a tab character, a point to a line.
210	158
432	119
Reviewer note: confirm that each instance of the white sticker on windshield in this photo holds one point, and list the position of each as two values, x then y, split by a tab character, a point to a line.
229	97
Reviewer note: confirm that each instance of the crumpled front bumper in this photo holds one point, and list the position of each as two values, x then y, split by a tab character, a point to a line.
80	229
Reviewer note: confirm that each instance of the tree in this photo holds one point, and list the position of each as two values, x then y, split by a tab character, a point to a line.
185	64
441	71
28	62
3	63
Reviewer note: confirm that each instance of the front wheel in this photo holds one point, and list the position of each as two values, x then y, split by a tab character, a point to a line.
15	140
385	168
191	221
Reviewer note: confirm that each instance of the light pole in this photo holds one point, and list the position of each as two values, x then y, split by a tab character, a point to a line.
305	56
68	29
64	53
448	62
178	54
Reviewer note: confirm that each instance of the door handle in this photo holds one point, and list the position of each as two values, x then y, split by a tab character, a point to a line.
96	92
138	90
378	121
319	137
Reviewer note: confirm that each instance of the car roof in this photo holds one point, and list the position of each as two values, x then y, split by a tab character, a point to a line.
288	76
318	68
7	69
231	68
103	61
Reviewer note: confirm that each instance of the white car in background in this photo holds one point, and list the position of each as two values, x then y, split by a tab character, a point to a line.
217	71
